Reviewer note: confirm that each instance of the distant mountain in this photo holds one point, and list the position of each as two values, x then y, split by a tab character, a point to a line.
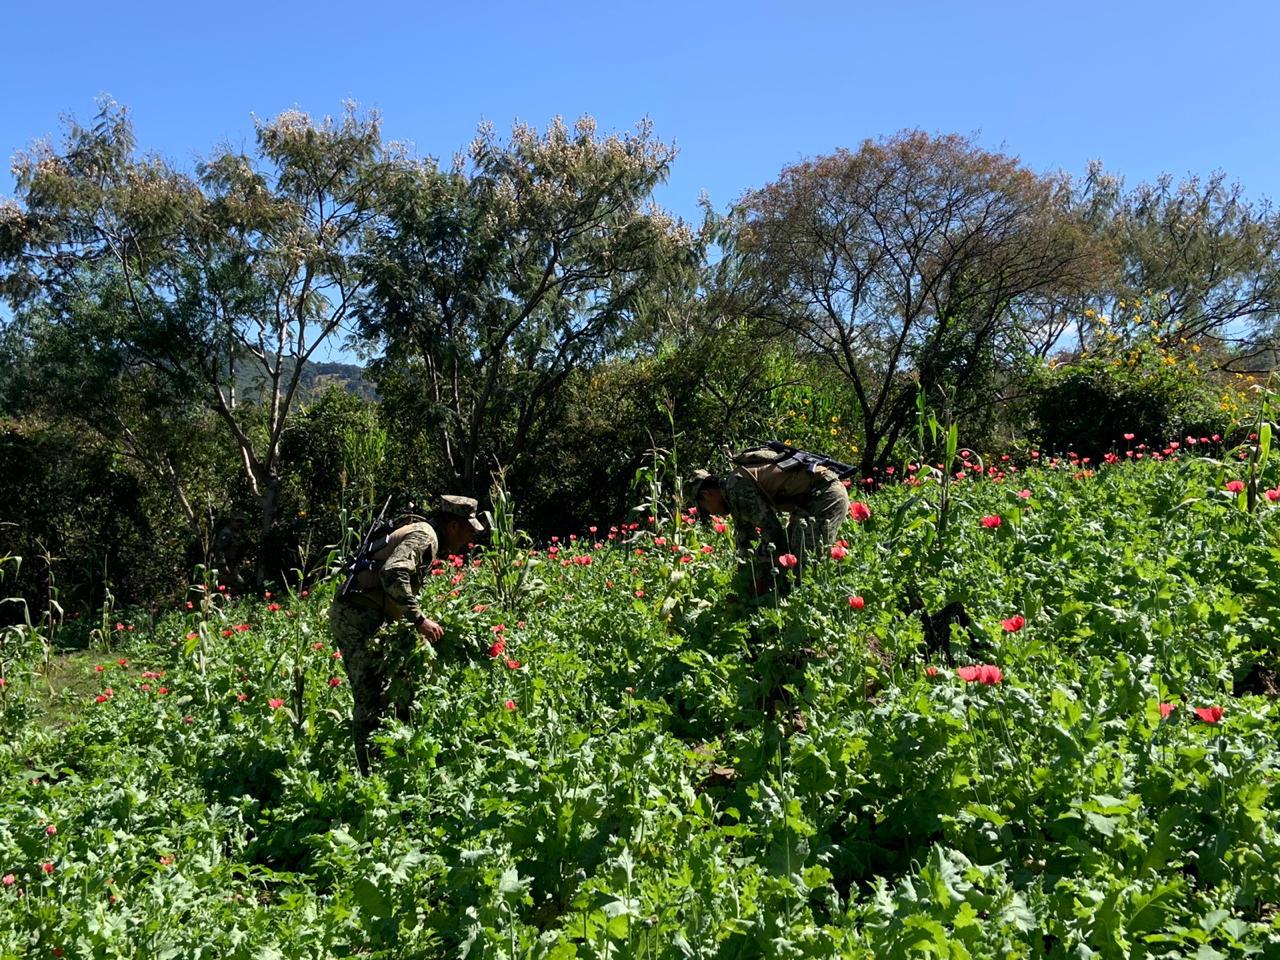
316	379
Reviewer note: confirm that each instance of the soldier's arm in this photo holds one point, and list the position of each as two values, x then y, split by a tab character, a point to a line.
397	572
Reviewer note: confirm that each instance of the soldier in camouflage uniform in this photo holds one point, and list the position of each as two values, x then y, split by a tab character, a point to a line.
226	552
762	483
379	662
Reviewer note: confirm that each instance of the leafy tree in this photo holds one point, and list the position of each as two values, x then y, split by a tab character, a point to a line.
493	281
1196	263
184	280
906	262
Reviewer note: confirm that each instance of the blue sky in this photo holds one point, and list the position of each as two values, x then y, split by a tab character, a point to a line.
742	88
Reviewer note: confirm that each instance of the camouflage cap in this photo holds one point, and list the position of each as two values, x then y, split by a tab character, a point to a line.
699	479
462	508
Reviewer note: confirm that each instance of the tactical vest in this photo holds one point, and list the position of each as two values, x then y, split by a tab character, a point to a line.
371	578
784	481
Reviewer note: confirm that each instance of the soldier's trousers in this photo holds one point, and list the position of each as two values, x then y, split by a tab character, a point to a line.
379	665
759	535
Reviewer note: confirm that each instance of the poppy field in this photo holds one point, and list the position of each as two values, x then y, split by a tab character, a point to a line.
1028	712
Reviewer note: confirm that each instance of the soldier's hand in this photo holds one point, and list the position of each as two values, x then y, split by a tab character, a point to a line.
431	630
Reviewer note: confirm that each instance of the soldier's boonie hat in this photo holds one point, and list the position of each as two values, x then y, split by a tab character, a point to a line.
462	508
699	479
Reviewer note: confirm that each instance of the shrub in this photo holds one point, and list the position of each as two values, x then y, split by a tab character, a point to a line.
1090	404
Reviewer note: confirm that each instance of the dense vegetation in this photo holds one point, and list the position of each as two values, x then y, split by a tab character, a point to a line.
612	757
167	335
1025	708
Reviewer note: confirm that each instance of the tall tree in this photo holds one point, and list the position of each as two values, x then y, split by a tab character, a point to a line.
494	280
905	263
240	272
1197	262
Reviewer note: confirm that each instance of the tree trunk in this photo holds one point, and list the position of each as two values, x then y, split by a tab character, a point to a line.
270	504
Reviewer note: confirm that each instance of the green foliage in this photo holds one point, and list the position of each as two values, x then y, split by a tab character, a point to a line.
83	521
493	282
1088	405
682	776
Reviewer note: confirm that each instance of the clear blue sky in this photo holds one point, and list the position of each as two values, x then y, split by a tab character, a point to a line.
742	88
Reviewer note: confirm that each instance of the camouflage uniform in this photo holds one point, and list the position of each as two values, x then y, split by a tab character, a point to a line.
818	503
374	624
227	551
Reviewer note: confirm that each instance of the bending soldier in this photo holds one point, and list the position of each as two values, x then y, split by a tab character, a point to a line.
763	482
227	551
379	663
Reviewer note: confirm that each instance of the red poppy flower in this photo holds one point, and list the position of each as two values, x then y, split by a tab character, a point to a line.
242	697
930	671
1166	709
1014	623
985	673
510	704
787	561
859	511
335	681
8	879
51	830
991	521
857	603
513	664
720	526
1024	494
1128	436
275	703
47	867
838	552
1234	486
1273	494
496	648
273	607
1209	714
